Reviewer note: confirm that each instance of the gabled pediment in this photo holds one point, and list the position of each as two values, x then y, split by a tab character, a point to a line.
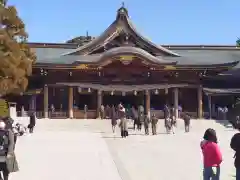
122	33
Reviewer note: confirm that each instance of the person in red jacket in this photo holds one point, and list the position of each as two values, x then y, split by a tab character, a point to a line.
212	156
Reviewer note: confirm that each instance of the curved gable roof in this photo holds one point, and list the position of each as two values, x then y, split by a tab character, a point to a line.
121	24
136	52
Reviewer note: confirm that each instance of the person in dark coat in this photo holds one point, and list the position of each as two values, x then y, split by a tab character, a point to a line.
123	123
8	162
154	122
146	124
140	121
9	125
135	117
32	122
113	116
172	117
166	114
235	122
108	112
235	145
186	119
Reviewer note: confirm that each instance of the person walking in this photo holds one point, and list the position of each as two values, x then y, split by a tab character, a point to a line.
140	121
85	111
173	120
32	122
212	156
135	117
102	111
154	122
166	115
146	124
8	162
186	119
235	145
113	116
123	123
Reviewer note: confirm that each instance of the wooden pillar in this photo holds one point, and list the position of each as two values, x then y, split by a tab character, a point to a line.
175	94
70	102
210	106
148	103
33	103
45	101
99	103
200	104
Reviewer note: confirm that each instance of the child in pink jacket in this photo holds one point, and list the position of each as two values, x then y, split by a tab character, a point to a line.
212	157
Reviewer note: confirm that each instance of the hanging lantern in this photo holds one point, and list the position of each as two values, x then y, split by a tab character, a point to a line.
123	93
166	90
79	89
135	93
156	91
89	90
112	93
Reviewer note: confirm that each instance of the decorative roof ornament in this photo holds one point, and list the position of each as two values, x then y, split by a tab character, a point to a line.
82	66
122	10
123	4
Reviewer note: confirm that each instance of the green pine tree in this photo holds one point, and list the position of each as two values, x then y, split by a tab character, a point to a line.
16	58
238	42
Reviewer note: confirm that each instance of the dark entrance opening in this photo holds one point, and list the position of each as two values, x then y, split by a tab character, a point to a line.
128	100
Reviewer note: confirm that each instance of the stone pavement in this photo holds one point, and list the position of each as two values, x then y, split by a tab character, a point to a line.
64	155
87	149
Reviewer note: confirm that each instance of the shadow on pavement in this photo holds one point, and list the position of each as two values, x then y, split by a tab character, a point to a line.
224	123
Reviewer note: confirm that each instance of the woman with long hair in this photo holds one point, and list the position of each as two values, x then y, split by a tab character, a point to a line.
212	157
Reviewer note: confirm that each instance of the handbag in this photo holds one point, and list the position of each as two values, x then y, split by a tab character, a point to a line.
12	164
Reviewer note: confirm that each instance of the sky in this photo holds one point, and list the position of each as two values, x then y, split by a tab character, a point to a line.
175	22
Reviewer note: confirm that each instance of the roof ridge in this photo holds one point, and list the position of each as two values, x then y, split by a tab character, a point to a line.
113	30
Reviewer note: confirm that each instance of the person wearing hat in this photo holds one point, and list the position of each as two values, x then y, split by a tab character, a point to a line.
123	122
8	162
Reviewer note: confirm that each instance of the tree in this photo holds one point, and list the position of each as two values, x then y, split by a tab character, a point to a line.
16	57
238	42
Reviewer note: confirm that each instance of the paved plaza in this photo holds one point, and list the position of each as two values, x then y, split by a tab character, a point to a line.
88	150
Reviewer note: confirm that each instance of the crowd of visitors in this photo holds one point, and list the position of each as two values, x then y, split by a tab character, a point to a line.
142	120
120	116
212	156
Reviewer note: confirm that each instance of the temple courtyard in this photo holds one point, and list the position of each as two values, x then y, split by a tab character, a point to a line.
88	150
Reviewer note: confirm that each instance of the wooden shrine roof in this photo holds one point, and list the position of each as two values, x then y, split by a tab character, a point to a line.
130	41
126	88
200	57
221	91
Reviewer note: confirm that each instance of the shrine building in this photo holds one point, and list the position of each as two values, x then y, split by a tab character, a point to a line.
121	65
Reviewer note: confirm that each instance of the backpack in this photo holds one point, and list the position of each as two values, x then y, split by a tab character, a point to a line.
4	142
